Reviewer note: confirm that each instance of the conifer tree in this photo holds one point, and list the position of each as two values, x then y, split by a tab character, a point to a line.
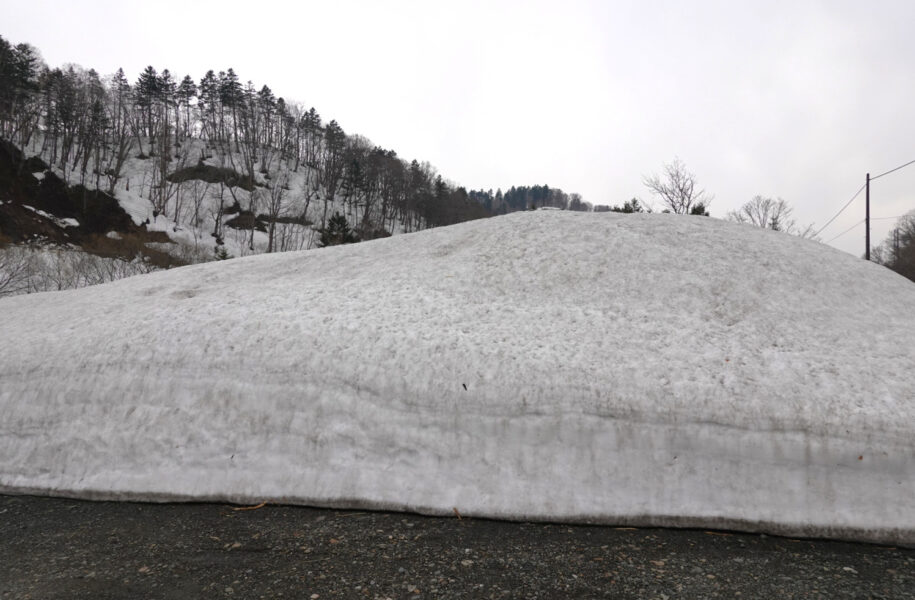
167	96
337	232
120	118
332	163
187	91
231	94
147	92
208	102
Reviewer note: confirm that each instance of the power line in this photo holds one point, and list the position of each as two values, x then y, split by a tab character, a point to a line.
911	162
846	231
868	218
885	218
847	204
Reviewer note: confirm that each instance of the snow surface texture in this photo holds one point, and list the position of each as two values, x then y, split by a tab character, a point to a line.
640	369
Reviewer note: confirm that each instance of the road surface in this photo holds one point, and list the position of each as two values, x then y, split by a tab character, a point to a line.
53	548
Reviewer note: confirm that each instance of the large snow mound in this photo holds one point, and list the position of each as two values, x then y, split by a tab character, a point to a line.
641	369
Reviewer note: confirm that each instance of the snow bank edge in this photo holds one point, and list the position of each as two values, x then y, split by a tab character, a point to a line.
891	536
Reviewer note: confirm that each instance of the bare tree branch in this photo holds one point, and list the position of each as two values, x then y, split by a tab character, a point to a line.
767	213
677	188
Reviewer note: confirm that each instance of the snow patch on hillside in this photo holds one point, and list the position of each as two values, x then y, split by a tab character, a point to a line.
191	228
646	369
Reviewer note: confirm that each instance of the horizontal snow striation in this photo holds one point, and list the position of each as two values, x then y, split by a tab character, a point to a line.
653	369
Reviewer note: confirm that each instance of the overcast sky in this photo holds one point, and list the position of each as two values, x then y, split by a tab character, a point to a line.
795	99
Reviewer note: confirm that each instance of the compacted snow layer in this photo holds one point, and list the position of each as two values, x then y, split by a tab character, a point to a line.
642	369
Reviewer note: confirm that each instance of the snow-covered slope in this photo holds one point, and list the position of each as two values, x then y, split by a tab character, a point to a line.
189	216
646	369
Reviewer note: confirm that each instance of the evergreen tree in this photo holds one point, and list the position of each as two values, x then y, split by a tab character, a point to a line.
231	95
120	117
208	103
266	105
337	232
19	73
311	128
187	91
230	89
147	92
332	163
699	209
630	206
167	96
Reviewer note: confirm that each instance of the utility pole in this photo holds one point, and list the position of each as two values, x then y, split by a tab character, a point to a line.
867	218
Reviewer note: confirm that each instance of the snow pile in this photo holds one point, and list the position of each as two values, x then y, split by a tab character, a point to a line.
67	222
643	369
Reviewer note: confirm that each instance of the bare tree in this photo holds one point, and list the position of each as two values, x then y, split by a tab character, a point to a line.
767	213
161	190
217	210
25	270
276	195
677	189
199	191
15	268
898	251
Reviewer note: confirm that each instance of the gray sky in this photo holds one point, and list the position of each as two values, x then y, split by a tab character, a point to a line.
795	99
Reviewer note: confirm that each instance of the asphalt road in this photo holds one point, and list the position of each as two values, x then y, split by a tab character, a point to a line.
52	548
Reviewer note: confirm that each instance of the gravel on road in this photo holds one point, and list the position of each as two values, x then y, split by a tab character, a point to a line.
56	548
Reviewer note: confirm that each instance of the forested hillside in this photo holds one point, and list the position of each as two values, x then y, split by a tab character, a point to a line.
223	167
